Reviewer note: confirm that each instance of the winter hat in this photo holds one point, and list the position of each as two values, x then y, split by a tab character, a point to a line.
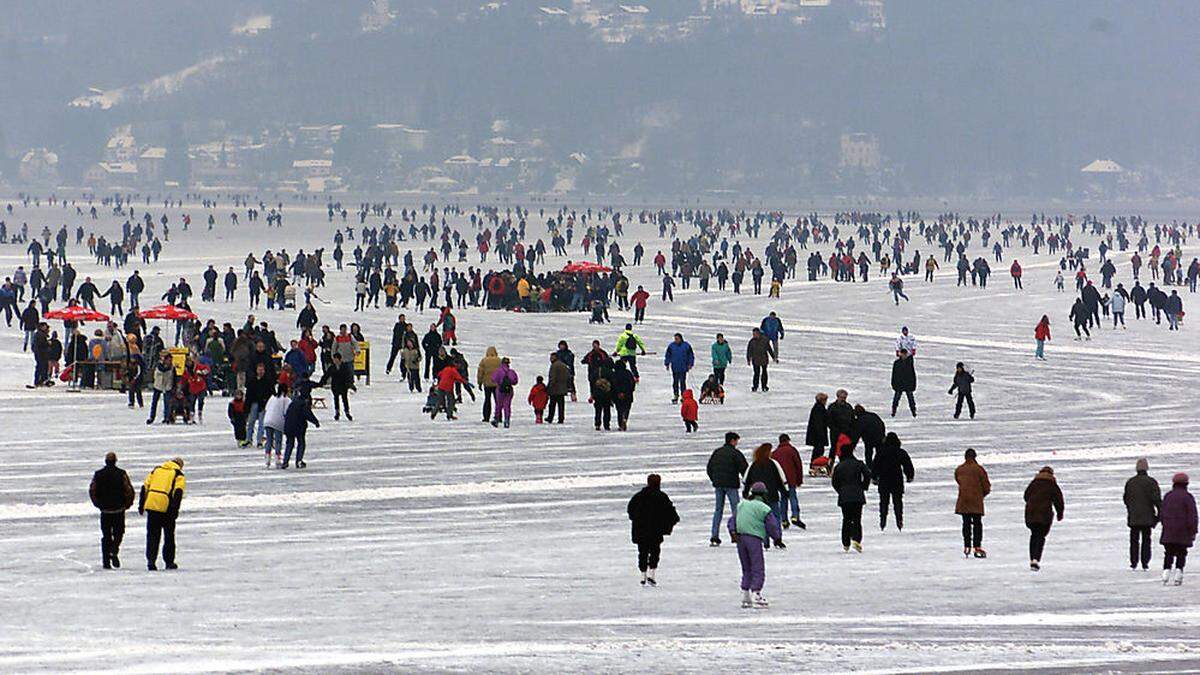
1180	478
178	461
1047	469
1142	465
761	489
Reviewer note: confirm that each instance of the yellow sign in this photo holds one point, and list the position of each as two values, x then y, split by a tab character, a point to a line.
178	358
361	356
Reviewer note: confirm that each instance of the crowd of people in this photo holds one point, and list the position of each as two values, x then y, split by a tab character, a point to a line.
418	259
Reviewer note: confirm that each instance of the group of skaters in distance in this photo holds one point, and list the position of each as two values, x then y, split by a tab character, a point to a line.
761	492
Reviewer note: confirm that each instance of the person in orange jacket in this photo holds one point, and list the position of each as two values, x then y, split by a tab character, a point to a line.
689	410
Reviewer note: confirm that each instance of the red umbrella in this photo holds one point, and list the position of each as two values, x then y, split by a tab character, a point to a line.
585	267
75	313
169	312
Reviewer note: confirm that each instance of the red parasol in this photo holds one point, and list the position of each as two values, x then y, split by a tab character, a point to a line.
75	313
169	312
585	267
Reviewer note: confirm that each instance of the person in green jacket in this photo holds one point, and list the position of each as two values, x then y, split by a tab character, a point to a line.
722	356
749	527
628	346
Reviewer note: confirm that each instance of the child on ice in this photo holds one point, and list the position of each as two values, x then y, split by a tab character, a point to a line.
689	411
538	398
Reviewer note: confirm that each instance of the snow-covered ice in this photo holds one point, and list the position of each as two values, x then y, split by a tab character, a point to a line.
438	546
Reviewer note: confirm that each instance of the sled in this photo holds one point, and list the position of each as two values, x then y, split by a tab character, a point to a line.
819	467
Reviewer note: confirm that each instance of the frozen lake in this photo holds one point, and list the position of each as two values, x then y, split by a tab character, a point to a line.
436	546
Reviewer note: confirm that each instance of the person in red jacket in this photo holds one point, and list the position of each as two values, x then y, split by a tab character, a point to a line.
660	262
788	458
538	398
1015	270
1042	333
446	379
689	410
198	387
639	299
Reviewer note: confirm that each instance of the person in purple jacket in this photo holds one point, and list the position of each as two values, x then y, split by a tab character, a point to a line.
506	379
751	524
1178	517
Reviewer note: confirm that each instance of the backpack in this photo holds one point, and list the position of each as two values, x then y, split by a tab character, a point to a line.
603	385
506	387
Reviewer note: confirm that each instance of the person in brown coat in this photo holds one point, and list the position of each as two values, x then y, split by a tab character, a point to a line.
1043	505
973	486
558	385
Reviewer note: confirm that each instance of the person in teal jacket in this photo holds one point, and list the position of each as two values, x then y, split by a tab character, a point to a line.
750	526
722	356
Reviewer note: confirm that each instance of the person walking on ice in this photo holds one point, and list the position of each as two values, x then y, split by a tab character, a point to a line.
1178	528
751	526
973	487
1143	506
652	517
1043	505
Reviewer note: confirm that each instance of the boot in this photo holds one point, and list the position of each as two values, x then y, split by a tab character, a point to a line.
1166	576
1178	577
643	578
116	562
650	577
980	553
747	602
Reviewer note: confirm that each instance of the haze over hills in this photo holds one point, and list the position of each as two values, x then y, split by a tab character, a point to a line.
920	97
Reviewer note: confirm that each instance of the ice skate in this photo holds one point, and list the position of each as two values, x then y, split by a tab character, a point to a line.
980	553
1178	577
747	603
1166	576
650	577
759	601
1035	565
857	546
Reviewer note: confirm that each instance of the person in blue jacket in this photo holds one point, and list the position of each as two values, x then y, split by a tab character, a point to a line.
772	327
679	359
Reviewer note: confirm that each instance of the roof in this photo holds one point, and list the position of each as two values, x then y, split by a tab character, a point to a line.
461	159
312	164
118	167
635	9
553	10
154	153
1102	166
42	154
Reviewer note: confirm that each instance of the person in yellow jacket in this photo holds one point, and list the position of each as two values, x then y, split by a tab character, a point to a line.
628	346
162	493
523	293
483	377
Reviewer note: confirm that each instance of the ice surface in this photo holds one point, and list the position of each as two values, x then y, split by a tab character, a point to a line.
417	545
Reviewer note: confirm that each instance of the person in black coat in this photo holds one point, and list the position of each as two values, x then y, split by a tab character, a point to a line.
963	380
817	434
653	517
851	480
623	386
112	493
870	428
893	468
725	468
904	381
840	420
340	380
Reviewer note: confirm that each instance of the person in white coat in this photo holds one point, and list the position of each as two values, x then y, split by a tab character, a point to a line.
1117	305
273	421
